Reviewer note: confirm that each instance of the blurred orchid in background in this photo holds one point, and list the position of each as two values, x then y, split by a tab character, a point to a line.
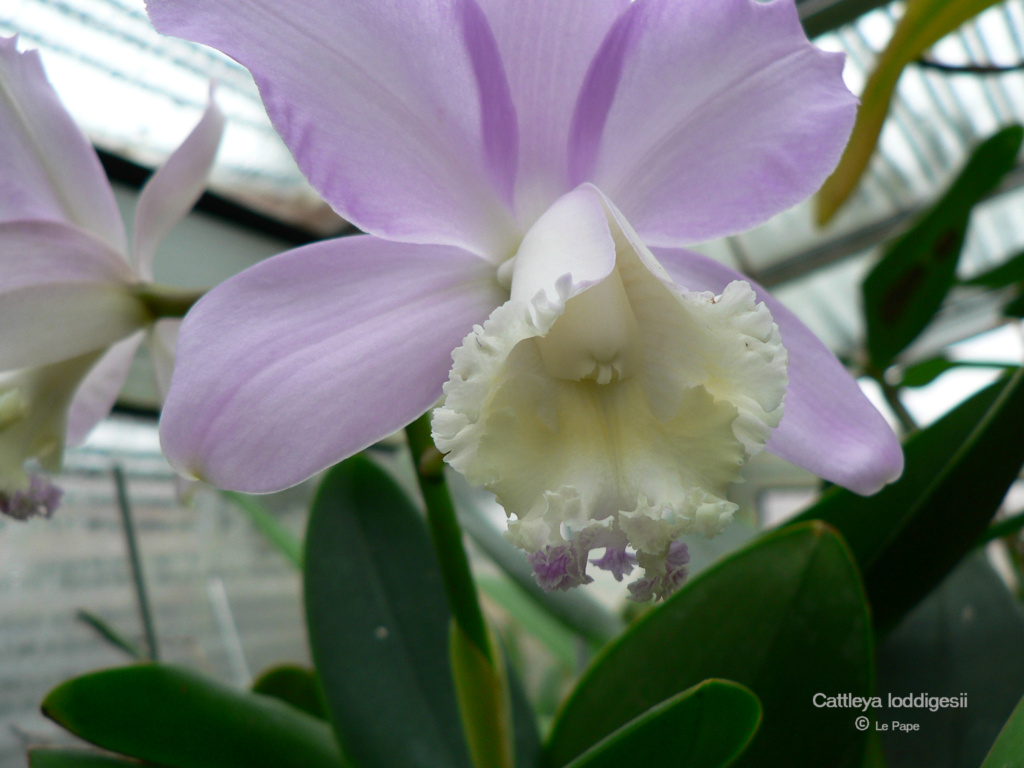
538	166
75	301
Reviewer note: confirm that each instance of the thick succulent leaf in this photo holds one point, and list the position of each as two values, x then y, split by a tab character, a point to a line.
907	286
378	623
924	23
963	639
785	617
146	710
706	726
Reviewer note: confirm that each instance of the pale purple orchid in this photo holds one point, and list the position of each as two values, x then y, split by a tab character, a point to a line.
75	301
540	164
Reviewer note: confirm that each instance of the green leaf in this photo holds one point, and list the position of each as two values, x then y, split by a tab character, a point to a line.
945	521
529	751
1006	274
74	758
785	616
819	18
175	716
1014	307
268	525
378	623
705	726
908	285
1008	751
873	755
1002	529
925	372
111	635
293	685
923	24
485	705
964	638
910	535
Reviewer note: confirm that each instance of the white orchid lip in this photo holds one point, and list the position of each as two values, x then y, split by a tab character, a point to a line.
607	407
33	421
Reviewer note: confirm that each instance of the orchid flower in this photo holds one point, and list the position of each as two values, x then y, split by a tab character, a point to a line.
75	301
529	173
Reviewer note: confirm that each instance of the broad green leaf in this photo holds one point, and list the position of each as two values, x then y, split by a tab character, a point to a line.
1006	274
1008	751
40	757
529	751
905	289
268	525
924	23
175	716
785	616
111	635
485	704
293	685
910	535
964	638
705	726
873	755
378	623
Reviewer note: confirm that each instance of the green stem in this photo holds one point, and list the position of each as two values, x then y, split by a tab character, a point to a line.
447	536
167	300
892	397
135	560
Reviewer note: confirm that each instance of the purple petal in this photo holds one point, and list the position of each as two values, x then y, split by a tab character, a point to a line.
389	114
98	392
175	187
546	48
699	119
312	355
48	170
828	426
63	293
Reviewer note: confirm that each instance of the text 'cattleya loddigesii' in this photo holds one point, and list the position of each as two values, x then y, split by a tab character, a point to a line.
529	173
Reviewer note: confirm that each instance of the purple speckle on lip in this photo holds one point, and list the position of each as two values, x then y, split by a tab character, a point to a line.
558	568
40	499
617	561
664	584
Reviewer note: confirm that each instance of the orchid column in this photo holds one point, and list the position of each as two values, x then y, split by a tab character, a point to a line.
529	174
